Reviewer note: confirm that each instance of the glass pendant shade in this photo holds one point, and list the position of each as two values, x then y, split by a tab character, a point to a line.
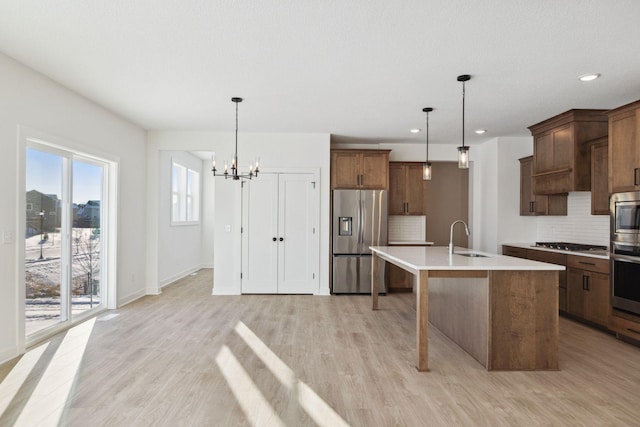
426	171
426	166
463	151
463	157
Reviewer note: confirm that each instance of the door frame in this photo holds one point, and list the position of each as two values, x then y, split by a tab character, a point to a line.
28	137
315	220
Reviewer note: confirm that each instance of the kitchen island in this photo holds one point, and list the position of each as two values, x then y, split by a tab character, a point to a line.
502	310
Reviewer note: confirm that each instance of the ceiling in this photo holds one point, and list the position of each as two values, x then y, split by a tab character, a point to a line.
361	70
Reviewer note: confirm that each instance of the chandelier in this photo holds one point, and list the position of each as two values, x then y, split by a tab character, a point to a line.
235	174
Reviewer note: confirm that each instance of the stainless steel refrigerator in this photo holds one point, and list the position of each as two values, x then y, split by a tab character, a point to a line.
359	221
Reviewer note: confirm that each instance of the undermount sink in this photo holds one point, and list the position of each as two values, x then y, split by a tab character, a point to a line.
474	255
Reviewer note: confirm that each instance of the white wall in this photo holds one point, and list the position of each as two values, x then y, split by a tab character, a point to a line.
275	151
512	226
485	179
208	216
179	246
497	193
32	100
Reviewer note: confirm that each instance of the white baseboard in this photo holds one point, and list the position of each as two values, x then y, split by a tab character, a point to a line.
176	277
8	354
225	291
131	298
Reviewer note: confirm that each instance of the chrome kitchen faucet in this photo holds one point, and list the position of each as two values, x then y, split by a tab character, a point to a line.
466	230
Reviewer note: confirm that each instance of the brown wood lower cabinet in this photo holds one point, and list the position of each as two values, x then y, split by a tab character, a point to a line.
588	295
625	325
588	289
584	289
398	280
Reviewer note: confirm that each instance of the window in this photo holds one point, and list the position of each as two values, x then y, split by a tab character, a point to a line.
65	259
185	194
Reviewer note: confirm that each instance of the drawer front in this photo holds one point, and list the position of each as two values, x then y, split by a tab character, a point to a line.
514	251
544	256
597	265
625	327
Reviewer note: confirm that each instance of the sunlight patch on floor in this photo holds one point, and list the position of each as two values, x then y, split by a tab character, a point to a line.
313	405
282	372
253	403
19	373
48	400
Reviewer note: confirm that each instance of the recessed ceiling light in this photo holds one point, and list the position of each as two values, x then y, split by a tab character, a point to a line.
588	77
480	131
415	130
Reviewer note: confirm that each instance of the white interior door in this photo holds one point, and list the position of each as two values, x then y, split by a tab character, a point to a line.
296	227
278	239
259	229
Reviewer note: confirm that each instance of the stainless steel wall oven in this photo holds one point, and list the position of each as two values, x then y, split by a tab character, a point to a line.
625	251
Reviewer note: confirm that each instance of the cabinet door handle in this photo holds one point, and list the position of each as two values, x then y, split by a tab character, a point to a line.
282	239
531	209
635	176
274	239
586	263
584	283
588	283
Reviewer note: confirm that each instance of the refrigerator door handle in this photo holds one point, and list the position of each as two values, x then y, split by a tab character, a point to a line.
361	228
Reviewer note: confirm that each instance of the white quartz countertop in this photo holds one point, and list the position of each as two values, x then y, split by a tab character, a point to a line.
438	258
410	243
592	254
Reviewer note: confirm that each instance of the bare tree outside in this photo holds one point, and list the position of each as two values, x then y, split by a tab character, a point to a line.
86	262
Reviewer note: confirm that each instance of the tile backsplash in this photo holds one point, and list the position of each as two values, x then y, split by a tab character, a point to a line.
403	228
579	226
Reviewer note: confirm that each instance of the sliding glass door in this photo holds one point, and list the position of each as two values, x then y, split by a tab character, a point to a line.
65	200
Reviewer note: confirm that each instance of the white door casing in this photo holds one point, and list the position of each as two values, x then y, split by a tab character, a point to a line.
283	207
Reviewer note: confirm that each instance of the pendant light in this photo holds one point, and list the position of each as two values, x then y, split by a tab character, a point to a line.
426	167
235	174
463	151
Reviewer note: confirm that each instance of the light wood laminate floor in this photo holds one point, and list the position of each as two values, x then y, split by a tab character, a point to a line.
187	358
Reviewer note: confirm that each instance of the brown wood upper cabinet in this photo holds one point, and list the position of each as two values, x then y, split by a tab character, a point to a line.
624	148
599	177
407	189
364	169
531	204
561	155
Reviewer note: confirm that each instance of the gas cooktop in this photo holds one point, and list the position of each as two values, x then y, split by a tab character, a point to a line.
570	246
